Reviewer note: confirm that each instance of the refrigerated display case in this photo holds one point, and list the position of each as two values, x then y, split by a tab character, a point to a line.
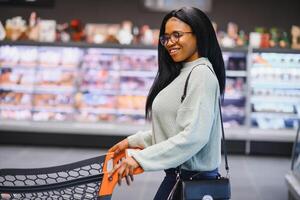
102	89
275	90
17	77
234	104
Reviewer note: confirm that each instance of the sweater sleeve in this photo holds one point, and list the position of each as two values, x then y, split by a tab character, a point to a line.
141	139
195	117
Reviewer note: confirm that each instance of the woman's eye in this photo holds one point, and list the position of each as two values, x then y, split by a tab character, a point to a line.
176	34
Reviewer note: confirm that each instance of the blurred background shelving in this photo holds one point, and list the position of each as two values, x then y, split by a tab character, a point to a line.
102	89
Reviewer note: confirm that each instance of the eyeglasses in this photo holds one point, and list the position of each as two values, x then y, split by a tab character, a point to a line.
174	37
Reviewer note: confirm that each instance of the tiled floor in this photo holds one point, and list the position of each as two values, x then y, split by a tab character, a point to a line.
252	177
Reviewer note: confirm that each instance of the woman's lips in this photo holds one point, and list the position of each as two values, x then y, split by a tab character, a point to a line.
173	51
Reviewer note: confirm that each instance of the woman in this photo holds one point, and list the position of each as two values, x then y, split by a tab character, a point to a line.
188	133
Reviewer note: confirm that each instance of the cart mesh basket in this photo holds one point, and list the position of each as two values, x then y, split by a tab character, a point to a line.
79	180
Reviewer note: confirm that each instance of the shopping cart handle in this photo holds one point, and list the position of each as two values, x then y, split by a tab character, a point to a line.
108	184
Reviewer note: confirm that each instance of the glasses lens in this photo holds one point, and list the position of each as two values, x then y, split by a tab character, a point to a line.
176	35
163	39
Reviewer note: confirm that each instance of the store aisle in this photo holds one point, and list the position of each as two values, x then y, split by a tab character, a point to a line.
253	177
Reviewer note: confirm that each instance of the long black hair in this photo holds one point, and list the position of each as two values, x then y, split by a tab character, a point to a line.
207	45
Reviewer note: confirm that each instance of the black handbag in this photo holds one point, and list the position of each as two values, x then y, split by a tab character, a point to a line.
210	189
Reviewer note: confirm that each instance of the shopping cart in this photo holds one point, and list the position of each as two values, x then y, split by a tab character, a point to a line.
86	179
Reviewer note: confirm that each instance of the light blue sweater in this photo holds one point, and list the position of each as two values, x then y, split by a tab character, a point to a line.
187	133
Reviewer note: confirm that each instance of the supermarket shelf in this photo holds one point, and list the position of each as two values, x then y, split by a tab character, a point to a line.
114	129
255	134
18	66
57	67
98	110
284	135
239	96
75	44
15	107
53	109
235	49
278	67
98	90
131	46
98	128
53	89
276	50
138	73
131	112
17	88
134	92
276	84
291	100
235	73
273	114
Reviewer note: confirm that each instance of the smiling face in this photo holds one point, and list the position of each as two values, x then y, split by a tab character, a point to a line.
182	43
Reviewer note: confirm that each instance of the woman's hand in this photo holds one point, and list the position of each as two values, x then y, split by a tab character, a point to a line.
119	147
125	168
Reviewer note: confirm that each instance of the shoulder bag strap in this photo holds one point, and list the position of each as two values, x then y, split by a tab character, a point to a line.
223	135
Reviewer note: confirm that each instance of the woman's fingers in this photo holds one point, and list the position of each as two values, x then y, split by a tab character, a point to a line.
126	173
125	169
120	173
131	173
114	170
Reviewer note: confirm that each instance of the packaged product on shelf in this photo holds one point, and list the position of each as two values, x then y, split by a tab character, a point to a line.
67	57
103	58
233	113
84	116
51	116
146	35
125	35
235	88
49	56
236	63
19	56
95	107
33	29
28	56
62	32
71	57
2	32
138	60
284	41
55	79
59	102
134	103
15	28
47	30
295	32
98	101
131	119
16	79
101	33
21	114
76	30
135	84
9	56
274	40
11	100
97	79
255	39
229	39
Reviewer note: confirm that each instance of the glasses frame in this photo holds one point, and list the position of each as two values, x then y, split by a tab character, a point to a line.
164	41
